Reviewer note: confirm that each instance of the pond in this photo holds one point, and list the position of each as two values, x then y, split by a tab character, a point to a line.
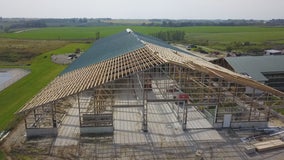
4	77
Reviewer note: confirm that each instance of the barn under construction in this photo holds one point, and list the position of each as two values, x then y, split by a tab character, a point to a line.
132	71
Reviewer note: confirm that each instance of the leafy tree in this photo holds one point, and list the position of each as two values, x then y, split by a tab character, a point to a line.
170	35
6	29
229	48
97	35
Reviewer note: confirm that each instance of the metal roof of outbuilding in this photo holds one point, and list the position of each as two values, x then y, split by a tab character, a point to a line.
255	66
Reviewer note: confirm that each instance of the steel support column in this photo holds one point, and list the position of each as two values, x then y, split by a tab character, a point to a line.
145	117
184	117
53	112
251	104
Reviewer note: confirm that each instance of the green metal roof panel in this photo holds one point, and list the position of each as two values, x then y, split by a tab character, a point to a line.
159	42
255	66
113	46
106	48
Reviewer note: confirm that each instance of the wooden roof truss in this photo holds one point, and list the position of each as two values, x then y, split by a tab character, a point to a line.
122	66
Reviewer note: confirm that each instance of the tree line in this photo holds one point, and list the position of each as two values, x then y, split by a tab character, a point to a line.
25	24
170	35
229	22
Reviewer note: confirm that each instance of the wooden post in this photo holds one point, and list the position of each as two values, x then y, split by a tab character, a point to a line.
219	97
26	126
54	123
78	100
35	118
268	112
145	104
251	104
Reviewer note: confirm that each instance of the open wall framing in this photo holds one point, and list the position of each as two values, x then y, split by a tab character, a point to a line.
223	103
149	71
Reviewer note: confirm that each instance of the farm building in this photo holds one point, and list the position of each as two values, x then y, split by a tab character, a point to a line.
132	71
268	70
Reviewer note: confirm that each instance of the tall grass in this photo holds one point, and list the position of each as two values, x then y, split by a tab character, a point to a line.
19	52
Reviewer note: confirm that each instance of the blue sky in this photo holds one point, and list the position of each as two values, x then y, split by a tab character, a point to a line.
144	9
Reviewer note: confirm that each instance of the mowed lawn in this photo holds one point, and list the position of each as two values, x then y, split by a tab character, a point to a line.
42	72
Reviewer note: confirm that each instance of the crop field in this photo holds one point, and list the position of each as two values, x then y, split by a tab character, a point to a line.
211	33
76	33
256	38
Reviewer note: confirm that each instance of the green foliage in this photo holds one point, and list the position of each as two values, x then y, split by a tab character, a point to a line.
2	155
170	35
280	111
200	49
42	72
28	24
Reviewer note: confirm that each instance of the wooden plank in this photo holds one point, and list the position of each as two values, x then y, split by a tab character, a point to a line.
268	145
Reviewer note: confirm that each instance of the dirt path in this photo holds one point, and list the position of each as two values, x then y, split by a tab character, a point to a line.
25	30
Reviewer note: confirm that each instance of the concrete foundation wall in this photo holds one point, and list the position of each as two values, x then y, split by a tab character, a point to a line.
244	125
41	132
96	130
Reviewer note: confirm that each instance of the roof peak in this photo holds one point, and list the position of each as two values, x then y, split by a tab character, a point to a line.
113	46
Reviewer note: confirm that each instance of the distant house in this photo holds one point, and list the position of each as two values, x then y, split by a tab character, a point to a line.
272	52
268	70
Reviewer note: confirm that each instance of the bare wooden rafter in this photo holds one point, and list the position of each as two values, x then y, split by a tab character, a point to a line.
94	75
138	60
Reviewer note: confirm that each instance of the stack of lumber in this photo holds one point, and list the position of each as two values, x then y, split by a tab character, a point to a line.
249	149
268	145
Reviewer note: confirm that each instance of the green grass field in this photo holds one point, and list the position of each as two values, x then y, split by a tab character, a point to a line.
76	33
211	33
42	72
215	37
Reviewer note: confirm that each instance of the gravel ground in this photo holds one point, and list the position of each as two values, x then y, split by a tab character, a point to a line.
64	58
